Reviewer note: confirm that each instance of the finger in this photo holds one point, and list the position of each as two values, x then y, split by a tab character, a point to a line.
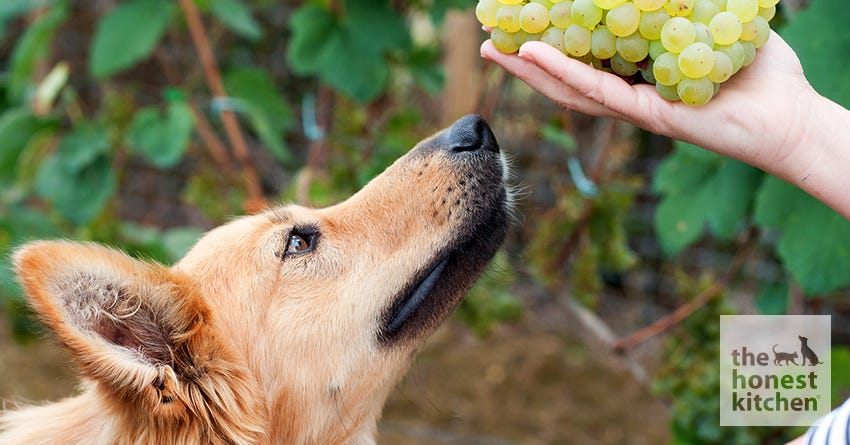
603	88
543	82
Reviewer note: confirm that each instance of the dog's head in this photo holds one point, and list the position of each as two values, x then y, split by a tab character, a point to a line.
293	324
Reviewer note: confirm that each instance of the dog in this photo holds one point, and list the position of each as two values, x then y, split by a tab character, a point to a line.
780	357
808	353
286	327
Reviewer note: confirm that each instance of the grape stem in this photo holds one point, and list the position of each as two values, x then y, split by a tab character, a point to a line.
674	318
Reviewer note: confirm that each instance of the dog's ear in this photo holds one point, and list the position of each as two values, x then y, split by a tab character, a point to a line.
137	327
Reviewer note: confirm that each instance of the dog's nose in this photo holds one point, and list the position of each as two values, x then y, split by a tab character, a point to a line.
471	133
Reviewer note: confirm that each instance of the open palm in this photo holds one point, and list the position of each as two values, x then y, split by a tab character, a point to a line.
748	119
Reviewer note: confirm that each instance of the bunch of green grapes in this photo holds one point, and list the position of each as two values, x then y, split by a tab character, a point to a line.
686	48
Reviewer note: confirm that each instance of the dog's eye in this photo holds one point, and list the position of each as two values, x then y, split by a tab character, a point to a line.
300	242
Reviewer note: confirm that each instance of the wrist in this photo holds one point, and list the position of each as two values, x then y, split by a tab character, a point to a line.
819	159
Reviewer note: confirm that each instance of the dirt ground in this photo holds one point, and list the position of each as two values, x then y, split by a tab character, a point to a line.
520	385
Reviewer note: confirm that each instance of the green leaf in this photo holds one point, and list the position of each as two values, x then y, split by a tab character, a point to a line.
349	53
128	34
814	240
558	136
439	8
311	26
82	147
267	111
32	47
177	241
17	125
818	35
78	196
10	9
162	140
237	17
772	299
700	188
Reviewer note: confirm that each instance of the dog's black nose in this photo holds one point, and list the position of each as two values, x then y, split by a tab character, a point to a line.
471	133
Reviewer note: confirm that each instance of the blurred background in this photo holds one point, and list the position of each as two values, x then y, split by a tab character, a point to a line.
143	123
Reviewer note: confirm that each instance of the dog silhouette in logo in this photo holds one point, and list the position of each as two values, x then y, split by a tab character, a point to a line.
807	352
780	357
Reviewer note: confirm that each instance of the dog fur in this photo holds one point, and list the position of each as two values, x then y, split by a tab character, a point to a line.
276	328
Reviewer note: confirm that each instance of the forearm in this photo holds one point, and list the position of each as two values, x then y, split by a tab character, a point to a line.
820	164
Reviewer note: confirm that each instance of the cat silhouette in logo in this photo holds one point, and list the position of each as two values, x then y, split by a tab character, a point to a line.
807	352
779	357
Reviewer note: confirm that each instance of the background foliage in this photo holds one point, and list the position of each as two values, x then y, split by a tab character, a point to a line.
111	129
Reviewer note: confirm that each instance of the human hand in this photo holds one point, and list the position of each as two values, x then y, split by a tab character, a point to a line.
759	116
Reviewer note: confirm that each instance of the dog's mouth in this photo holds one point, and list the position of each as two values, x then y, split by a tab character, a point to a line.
405	306
432	294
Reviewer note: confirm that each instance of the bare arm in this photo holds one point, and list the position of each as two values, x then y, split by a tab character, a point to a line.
767	115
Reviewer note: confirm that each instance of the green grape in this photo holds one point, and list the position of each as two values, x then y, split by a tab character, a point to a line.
735	51
722	69
757	31
746	10
554	37
560	16
503	41
633	48
749	53
767	13
679	8
649	5
656	48
651	23
703	11
767	3
603	44
508	18
623	67
486	11
534	18
696	60
667	92
577	40
725	28
721	4
677	33
703	34
646	73
586	13
695	92
623	20
546	3
666	69
608	4
510	2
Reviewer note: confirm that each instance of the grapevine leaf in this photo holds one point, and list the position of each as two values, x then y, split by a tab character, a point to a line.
237	17
128	34
772	299
78	197
818	51
268	114
311	27
439	8
17	125
162	139
700	188
32	47
814	243
10	9
349	53
82	147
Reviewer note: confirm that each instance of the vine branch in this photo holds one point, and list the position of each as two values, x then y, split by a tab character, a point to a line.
674	318
255	201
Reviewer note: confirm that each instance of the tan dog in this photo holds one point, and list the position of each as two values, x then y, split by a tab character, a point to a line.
288	327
